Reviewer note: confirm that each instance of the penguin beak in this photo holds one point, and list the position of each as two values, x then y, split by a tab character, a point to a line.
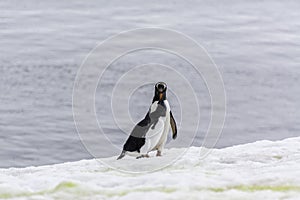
160	96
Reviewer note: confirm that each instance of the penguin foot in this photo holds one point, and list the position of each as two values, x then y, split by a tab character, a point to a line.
158	153
143	156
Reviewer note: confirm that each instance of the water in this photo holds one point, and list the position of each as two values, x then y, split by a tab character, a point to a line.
256	46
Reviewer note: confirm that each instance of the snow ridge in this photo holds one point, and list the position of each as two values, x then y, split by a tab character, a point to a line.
262	169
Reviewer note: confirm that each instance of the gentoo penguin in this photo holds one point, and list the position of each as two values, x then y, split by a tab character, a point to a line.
151	133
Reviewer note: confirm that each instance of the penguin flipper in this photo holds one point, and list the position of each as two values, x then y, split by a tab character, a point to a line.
121	155
173	126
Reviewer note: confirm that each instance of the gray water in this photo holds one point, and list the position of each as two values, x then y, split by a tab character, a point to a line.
255	44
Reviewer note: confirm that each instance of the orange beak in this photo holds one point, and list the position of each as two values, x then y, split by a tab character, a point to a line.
160	96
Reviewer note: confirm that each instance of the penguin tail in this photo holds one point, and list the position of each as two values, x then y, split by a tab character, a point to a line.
122	155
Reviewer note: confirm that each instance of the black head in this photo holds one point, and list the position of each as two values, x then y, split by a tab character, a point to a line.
160	93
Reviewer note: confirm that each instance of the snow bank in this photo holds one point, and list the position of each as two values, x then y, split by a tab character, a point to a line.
264	169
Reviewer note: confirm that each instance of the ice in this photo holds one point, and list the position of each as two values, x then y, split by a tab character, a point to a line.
264	169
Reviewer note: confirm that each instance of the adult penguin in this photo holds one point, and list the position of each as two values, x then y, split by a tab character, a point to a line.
151	133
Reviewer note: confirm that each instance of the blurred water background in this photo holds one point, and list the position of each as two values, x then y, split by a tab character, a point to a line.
255	44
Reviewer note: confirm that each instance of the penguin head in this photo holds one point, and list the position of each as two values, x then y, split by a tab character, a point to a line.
160	91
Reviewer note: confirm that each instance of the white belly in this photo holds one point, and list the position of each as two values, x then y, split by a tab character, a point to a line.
157	137
163	138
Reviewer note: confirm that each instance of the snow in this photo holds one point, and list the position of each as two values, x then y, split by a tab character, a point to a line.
264	169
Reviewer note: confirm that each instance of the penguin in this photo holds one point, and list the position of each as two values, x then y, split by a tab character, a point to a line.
151	133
